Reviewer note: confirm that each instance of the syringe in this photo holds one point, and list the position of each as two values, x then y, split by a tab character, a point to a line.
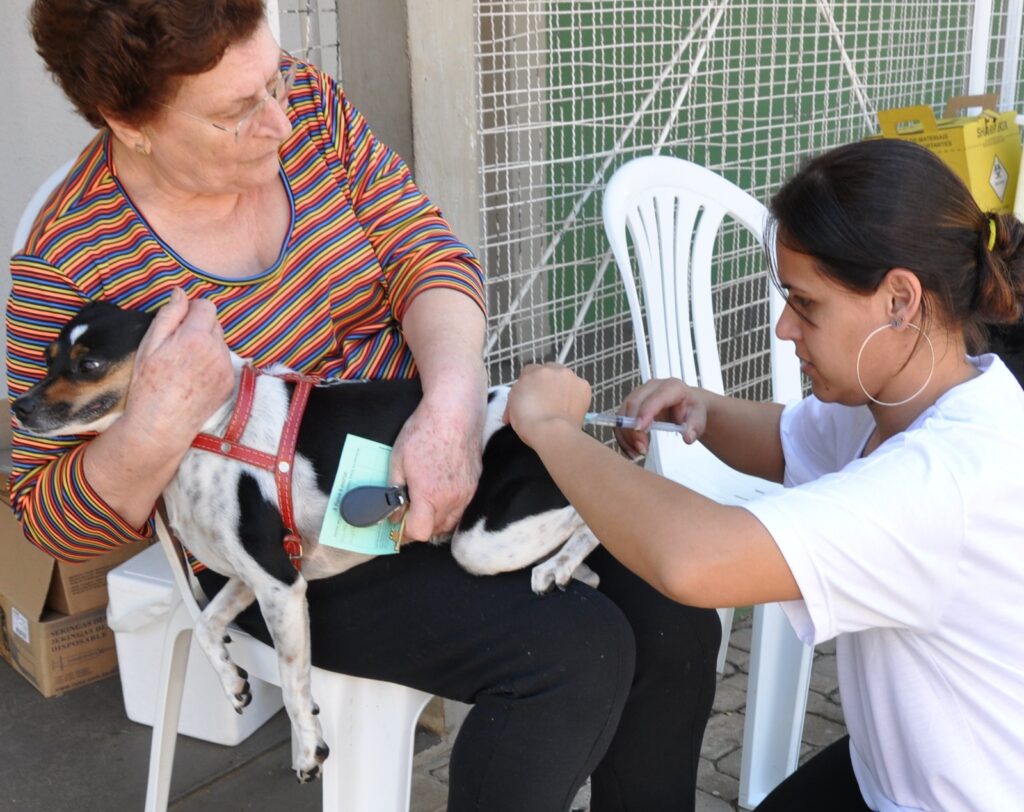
621	421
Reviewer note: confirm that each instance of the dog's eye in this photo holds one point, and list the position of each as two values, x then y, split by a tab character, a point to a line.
89	366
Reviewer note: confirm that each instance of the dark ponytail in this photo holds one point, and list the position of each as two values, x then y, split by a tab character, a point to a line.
1001	270
864	208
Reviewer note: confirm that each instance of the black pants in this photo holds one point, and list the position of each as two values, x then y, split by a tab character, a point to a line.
826	781
616	683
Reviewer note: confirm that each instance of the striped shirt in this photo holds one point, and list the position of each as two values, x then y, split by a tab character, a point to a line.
362	243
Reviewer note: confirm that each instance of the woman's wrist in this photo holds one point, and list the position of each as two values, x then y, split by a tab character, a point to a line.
547	432
129	468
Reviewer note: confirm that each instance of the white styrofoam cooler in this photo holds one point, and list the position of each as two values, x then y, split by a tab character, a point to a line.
142	595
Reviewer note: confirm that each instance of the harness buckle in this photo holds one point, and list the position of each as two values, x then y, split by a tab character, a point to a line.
293	547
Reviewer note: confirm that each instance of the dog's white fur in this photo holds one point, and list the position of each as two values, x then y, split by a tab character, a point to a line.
203	510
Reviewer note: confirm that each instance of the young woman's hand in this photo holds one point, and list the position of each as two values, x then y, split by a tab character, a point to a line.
545	393
666	399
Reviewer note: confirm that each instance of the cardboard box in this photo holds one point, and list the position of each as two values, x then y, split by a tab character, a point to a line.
983	150
53	627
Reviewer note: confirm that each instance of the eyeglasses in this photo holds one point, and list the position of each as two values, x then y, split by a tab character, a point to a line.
282	84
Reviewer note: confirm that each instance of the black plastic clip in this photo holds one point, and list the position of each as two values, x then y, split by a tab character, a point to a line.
368	505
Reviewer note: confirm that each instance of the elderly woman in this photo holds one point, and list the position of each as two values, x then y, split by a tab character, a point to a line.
230	171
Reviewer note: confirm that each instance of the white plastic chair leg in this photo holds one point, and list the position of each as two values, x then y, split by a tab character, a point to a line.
367	725
177	642
780	676
725	615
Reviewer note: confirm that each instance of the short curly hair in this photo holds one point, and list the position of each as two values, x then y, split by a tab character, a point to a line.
128	56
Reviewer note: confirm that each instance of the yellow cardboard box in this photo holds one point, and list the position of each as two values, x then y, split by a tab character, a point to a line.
983	150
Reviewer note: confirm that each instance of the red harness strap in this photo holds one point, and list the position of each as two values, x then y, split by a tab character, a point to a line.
280	465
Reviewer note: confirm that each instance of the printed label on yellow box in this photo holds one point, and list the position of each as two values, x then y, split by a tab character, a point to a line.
983	150
363	462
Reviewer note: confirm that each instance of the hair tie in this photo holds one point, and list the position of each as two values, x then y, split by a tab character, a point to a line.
991	232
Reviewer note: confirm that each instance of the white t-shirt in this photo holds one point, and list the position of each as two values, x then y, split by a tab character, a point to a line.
913	558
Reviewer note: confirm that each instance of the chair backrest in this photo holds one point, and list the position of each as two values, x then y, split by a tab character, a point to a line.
31	210
673	210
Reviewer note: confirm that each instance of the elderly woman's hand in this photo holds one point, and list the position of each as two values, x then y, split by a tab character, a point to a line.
182	374
437	456
544	393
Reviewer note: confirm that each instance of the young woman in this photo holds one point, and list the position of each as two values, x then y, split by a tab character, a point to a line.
901	533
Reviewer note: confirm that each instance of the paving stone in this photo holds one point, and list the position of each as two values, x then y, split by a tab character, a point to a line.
730	764
582	799
739	659
731	693
821	732
740	638
724	734
428	794
821	705
709	803
716	783
824	677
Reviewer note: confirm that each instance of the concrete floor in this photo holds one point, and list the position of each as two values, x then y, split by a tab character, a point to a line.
79	753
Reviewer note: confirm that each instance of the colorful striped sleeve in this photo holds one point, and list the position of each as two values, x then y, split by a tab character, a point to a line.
411	238
59	511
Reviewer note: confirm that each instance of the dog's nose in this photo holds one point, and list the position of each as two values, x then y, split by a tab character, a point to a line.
24	407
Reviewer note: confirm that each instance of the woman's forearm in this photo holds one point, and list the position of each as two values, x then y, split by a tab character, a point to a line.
445	331
744	434
688	547
129	471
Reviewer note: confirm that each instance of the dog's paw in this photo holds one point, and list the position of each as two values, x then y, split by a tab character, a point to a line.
240	692
558	571
542	579
311	770
586	575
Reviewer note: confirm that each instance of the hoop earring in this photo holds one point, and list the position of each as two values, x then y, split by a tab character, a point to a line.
895	324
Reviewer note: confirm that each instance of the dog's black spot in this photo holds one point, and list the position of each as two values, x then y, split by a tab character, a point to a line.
376	410
514	485
114	332
261	531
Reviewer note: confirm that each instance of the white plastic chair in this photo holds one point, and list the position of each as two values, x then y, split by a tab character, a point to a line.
368	725
31	210
673	210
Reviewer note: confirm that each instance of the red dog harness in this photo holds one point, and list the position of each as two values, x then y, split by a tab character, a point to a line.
280	465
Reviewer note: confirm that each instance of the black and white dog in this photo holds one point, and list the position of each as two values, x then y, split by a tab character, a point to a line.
229	515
